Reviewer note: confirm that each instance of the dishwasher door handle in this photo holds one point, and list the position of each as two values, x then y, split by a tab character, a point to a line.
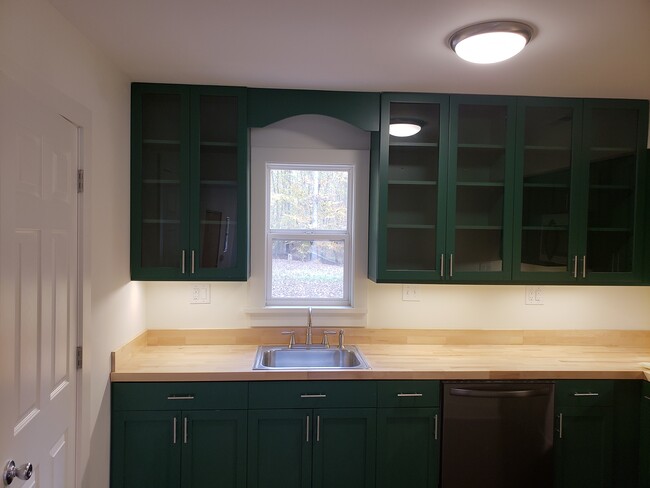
470	392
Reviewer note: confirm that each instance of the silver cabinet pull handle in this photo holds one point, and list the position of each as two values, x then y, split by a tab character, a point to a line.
180	397
184	430
192	263
575	266
313	395
584	266
590	394
561	426
307	439
646	397
409	394
174	432
442	265
183	261
451	265
317	428
23	472
435	427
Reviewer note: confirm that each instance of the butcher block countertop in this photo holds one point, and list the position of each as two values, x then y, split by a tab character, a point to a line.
228	354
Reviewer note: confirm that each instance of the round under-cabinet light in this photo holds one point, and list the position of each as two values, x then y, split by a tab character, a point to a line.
490	42
403	129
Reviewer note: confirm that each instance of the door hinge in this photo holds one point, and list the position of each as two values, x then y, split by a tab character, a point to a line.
80	181
80	357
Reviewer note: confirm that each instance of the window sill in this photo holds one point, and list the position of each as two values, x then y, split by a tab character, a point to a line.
283	316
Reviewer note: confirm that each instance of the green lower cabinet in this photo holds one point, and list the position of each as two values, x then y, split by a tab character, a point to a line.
644	456
408	447
145	449
214	449
319	448
584	448
172	449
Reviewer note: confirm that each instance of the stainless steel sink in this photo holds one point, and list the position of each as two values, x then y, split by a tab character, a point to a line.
314	357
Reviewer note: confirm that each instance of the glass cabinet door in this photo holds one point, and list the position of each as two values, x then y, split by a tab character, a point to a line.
613	151
219	181
413	166
546	207
160	173
479	228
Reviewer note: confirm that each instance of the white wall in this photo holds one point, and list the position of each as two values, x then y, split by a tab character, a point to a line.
41	50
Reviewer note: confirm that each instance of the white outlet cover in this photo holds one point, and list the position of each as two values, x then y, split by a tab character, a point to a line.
410	293
534	295
199	293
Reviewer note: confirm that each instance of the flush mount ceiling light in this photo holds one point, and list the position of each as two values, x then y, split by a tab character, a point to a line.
404	127
490	42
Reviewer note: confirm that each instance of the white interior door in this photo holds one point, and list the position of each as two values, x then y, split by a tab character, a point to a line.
38	289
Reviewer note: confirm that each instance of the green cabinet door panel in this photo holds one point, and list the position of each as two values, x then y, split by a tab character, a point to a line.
344	448
644	432
214	449
280	448
408	447
584	447
145	449
266	106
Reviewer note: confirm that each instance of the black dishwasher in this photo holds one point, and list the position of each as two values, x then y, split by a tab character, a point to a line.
497	434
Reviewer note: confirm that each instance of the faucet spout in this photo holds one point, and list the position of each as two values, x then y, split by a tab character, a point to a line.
308	340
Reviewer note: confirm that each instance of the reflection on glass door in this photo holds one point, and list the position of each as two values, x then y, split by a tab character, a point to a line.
218	181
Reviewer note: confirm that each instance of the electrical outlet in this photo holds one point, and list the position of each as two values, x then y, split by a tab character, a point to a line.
534	295
200	293
410	293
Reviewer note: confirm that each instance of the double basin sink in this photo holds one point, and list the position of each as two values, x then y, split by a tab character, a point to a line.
309	358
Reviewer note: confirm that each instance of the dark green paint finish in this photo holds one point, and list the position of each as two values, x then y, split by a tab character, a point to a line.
626	433
344	443
644	434
143	452
214	451
373	208
182	233
408	447
266	106
279	453
584	453
301	394
549	151
175	396
584	393
408	393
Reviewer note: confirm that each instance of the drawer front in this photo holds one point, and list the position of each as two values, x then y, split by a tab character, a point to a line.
584	393
180	396
312	394
403	393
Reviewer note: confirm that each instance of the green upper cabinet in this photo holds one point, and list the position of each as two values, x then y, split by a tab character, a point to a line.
614	186
409	191
189	183
504	189
443	189
480	189
547	190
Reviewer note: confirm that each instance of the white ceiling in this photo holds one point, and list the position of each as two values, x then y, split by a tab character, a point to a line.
582	48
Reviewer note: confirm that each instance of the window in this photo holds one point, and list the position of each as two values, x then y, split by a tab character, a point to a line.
309	223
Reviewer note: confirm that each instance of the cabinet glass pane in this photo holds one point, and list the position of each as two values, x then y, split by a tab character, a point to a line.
218	188
548	140
480	177
612	188
412	197
161	180
411	249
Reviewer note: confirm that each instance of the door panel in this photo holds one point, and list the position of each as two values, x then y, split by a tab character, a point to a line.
38	290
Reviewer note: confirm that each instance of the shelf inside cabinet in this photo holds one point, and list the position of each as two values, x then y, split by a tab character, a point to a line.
150	181
480	184
160	221
547	148
218	144
226	183
161	142
481	146
412	182
410	226
479	227
412	144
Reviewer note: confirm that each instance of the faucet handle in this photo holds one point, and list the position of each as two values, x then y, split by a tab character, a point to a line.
341	333
326	341
292	339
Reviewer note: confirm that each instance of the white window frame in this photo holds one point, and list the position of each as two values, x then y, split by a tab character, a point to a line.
347	236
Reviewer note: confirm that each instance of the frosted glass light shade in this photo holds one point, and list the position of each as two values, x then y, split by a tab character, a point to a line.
402	129
490	42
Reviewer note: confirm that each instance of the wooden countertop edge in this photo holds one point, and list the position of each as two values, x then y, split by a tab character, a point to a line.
378	375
